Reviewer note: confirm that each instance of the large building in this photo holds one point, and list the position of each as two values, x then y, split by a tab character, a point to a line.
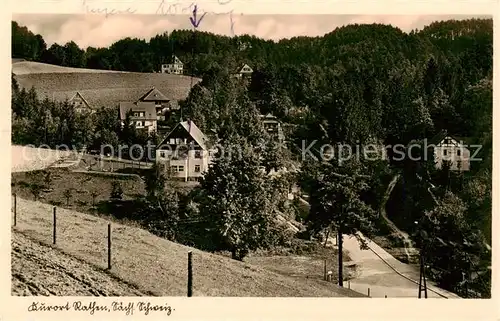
147	110
185	151
176	67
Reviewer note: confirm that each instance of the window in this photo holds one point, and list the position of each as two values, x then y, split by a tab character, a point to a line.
174	169
458	152
162	154
197	168
197	154
139	124
172	140
181	169
445	152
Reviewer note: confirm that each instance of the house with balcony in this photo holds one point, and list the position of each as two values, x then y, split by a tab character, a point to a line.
185	151
176	67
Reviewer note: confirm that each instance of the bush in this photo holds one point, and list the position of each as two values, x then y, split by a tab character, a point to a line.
116	191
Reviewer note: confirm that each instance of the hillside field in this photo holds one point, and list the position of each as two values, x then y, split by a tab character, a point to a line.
23	67
155	265
100	88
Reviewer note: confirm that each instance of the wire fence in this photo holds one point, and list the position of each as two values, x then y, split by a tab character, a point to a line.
100	243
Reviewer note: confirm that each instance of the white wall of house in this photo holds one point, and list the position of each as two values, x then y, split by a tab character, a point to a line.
455	152
191	166
172	69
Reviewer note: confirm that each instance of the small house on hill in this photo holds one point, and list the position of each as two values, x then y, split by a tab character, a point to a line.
75	99
243	72
80	104
446	147
185	151
175	67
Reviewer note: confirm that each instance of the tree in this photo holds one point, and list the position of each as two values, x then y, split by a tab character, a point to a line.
75	57
36	189
450	245
94	194
116	191
155	181
237	202
335	198
68	194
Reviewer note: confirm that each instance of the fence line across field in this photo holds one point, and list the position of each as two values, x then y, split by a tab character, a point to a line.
56	219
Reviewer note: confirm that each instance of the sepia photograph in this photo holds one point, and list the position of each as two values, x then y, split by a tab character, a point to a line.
226	155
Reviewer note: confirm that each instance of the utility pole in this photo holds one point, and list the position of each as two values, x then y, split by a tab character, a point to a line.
422	284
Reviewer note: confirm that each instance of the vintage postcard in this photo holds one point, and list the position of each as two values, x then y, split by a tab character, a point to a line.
163	157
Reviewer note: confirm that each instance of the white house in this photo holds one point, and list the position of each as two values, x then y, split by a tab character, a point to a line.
176	67
244	71
448	148
142	115
185	151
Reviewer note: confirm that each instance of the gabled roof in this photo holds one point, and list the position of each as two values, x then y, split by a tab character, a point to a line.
147	107
153	95
193	131
439	137
80	95
176	60
243	67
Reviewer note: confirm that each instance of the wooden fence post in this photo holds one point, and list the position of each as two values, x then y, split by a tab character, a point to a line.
15	209
109	246
325	270
54	226
368	291
349	284
190	274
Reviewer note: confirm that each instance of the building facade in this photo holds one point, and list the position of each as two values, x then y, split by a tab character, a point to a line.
185	152
451	149
176	67
147	110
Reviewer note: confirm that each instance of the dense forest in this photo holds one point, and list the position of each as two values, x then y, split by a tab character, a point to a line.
358	84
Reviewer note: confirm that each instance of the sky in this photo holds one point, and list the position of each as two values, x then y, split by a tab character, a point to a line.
98	30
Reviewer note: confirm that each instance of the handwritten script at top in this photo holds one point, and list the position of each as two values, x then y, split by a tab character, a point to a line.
166	7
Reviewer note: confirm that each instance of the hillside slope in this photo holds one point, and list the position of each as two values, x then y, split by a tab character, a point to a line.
23	67
38	269
100	88
157	266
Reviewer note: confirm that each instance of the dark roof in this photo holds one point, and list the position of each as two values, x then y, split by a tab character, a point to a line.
147	107
154	95
436	139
